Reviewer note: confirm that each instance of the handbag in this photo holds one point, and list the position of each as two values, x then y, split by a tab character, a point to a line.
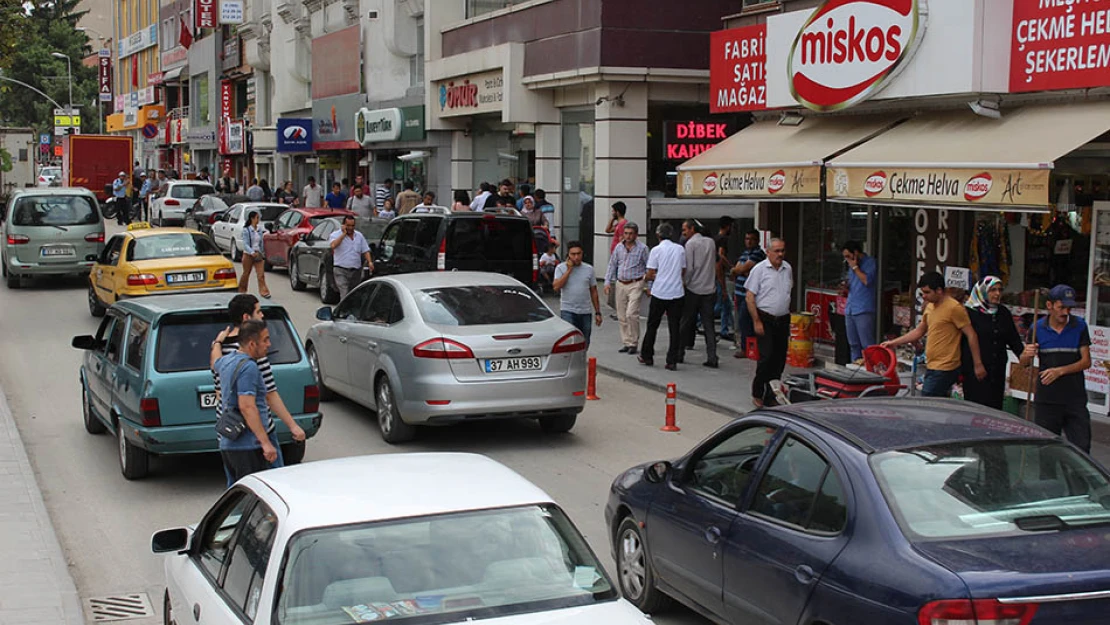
231	423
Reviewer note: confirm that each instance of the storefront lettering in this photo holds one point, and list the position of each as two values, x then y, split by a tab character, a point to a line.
686	139
465	94
851	44
749	181
1059	44
924	260
932	185
681	152
738	69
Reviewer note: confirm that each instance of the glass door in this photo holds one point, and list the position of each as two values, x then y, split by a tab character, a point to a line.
1098	311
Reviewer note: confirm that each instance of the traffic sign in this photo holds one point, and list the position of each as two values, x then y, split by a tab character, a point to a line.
44	138
57	150
150	131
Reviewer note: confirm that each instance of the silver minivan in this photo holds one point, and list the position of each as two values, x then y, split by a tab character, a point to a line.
50	231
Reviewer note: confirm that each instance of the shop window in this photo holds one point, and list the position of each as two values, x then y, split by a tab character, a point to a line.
577	206
200	108
475	8
416	63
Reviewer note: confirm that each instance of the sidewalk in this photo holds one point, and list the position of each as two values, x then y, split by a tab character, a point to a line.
37	586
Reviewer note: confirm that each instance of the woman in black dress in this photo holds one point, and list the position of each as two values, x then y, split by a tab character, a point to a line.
994	325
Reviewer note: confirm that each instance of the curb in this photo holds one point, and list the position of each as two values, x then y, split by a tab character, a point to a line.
701	402
67	589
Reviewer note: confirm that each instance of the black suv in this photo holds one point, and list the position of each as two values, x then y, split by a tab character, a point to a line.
437	239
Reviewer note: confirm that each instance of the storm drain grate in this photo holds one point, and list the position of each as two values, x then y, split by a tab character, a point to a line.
119	607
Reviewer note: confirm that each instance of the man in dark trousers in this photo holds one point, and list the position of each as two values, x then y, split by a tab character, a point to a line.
769	285
1064	346
254	450
701	290
666	268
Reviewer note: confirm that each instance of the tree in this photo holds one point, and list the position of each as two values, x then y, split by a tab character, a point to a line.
44	27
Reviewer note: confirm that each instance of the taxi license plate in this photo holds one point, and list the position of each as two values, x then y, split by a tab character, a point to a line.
57	250
502	365
207	400
184	278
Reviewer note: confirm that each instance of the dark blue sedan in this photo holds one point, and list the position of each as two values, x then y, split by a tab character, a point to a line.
914	512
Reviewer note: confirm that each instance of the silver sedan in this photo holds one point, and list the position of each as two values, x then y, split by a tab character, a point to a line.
442	347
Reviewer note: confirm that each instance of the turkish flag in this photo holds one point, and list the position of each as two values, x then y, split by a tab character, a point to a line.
135	71
185	37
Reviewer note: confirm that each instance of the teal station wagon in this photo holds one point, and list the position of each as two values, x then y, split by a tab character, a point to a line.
146	377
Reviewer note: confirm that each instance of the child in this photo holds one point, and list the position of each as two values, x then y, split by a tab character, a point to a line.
548	262
386	211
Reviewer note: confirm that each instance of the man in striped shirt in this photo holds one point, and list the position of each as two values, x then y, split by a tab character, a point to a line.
242	308
383	193
627	267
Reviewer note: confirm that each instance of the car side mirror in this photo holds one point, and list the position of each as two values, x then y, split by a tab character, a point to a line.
172	540
270	227
657	472
308	238
85	341
323	313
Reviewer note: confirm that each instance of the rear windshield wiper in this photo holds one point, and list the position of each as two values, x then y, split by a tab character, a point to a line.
1049	522
58	227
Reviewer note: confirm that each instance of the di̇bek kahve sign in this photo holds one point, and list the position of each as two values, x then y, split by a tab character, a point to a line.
683	140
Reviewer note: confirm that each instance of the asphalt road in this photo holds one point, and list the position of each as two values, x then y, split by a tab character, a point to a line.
104	522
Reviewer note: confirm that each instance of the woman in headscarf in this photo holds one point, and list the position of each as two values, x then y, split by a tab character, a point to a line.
994	325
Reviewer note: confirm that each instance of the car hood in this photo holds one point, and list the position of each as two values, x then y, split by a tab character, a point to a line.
1033	563
618	612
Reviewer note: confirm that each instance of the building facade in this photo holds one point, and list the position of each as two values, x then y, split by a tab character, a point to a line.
137	105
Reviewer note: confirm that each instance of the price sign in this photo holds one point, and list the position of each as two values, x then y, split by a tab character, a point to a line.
958	277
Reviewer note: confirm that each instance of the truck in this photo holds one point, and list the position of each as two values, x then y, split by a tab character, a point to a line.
19	145
94	161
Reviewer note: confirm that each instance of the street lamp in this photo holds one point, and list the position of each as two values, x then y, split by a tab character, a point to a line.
69	72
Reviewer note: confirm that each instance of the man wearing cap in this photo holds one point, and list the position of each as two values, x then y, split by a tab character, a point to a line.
123	205
1064	346
144	196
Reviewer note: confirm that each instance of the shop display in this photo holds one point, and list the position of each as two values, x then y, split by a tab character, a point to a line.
990	248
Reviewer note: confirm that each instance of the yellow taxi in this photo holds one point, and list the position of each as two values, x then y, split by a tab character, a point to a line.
156	261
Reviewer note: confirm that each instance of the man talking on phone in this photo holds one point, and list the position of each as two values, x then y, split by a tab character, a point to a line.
577	287
348	249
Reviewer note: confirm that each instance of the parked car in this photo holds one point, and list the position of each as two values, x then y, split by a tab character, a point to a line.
54	231
207	208
227	230
438	239
440	348
290	227
50	176
169	207
310	260
146	378
154	261
447	538
891	511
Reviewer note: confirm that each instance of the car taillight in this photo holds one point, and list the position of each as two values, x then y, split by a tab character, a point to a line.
535	263
142	279
96	237
18	239
311	398
227	273
212	218
151	416
441	258
443	349
975	612
172	202
573	342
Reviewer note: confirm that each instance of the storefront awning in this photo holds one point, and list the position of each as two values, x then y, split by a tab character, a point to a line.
172	75
964	160
770	161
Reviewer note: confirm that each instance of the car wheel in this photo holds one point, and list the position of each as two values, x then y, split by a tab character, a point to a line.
394	430
96	309
637	580
559	423
161	220
92	424
167	609
328	295
266	266
235	257
134	462
295	281
314	362
13	280
293	453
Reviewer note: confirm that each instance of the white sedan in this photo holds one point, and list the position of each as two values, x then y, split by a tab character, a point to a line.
227	230
168	207
405	538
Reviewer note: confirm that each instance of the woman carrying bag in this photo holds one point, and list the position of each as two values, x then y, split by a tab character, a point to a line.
252	256
994	325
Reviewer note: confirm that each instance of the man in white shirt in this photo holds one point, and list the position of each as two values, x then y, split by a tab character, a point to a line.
769	285
479	202
313	194
701	290
348	250
666	268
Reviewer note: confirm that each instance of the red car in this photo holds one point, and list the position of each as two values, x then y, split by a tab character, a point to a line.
289	227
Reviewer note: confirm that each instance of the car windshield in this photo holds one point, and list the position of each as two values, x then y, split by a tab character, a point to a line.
184	340
190	191
480	305
490	239
441	569
268	212
963	490
216	204
51	171
173	245
55	210
371	229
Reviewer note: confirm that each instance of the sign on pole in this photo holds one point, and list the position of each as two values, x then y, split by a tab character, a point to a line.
105	76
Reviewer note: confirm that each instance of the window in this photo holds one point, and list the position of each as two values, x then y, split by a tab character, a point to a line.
235	213
136	343
424	241
201	114
351	308
496	239
288	219
112	251
115	341
389	241
55	210
480	305
725	470
474	8
801	489
323	231
177	245
385	308
190	191
249	559
416	63
406	239
219	529
755	3
183	340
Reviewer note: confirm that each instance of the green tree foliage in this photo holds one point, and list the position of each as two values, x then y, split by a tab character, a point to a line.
36	29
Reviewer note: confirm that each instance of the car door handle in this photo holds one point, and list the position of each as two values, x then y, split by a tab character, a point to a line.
713	535
342	339
196	612
804	574
372	344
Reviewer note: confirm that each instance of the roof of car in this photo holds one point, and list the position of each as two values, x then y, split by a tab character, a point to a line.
879	424
438	279
464	214
313	212
54	191
391	486
157	305
140	233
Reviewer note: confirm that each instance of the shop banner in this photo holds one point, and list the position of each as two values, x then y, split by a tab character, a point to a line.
969	187
206	14
231	12
294	135
104	75
683	140
1096	375
412	124
767	183
225	99
1061	44
375	126
337	63
333	126
236	138
470	95
139	41
738	69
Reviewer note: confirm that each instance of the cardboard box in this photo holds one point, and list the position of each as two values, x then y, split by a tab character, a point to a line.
1021	376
